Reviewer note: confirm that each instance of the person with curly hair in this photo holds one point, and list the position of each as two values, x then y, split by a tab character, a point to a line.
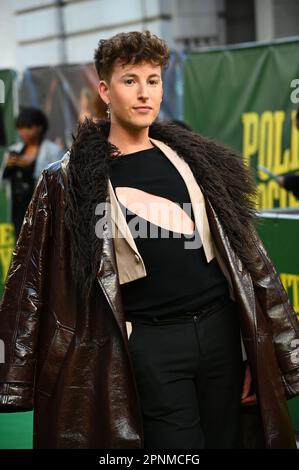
141	309
290	182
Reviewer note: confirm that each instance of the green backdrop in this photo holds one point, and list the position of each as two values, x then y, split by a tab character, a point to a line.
247	98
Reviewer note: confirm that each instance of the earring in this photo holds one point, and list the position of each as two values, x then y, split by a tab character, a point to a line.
108	111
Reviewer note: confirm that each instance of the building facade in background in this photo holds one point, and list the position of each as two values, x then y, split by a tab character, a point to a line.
37	33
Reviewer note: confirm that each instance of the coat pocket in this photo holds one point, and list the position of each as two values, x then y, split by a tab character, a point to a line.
51	367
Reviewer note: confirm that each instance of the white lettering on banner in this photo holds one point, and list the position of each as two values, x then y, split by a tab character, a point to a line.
294	97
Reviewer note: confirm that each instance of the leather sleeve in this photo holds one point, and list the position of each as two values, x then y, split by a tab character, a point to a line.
279	313
21	305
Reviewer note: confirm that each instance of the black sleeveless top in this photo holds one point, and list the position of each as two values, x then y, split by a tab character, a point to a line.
179	279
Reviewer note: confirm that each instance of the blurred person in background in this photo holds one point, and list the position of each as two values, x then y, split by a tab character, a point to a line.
24	161
290	182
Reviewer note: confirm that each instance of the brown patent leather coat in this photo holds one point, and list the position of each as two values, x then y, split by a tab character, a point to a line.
71	364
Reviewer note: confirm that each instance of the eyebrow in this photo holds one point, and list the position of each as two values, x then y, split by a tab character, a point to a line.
136	76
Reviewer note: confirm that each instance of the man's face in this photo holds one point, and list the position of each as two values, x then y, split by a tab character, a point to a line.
134	93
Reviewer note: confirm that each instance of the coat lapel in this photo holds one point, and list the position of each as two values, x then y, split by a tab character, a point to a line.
240	278
107	274
195	194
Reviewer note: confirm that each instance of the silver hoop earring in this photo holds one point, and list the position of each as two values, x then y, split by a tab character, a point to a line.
108	111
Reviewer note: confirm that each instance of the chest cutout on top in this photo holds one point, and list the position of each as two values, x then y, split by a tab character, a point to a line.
156	209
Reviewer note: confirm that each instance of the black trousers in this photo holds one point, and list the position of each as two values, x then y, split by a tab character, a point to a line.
189	374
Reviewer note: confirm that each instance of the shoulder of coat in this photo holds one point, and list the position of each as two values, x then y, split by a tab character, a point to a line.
59	165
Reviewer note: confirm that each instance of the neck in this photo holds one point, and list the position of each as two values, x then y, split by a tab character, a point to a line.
129	140
33	143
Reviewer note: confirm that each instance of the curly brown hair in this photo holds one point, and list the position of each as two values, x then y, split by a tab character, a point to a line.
133	47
